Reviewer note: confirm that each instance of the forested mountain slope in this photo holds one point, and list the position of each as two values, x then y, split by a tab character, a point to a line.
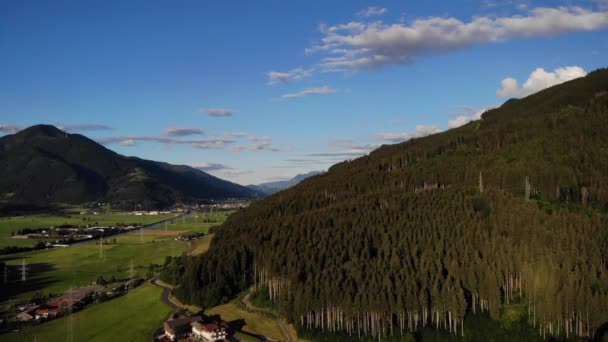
43	165
421	233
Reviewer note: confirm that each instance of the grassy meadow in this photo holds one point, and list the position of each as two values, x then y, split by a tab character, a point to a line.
133	317
12	224
56	270
252	323
201	245
198	222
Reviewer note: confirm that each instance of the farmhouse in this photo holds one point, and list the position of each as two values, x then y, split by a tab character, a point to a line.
210	331
71	300
27	314
177	327
46	311
82	294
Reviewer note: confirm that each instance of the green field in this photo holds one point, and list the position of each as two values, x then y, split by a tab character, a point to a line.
133	317
12	224
254	323
201	245
56	270
198	222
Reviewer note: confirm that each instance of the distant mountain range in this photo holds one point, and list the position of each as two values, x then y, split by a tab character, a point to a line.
42	165
272	187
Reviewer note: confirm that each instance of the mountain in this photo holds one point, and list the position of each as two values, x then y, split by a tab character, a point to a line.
512	208
44	165
272	187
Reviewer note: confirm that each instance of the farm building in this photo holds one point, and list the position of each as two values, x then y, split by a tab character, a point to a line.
210	331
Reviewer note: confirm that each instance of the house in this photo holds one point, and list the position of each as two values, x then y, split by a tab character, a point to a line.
67	305
28	314
46	311
82	294
177	327
210	331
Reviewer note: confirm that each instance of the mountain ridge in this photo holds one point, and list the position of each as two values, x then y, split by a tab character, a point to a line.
42	164
270	188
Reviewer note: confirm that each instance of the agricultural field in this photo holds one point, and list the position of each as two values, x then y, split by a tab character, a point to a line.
252	323
198	222
201	245
132	317
56	270
10	225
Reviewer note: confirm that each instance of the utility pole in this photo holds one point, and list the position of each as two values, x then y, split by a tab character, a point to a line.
70	321
23	271
480	183
101	248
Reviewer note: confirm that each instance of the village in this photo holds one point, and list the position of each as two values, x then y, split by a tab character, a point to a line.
71	301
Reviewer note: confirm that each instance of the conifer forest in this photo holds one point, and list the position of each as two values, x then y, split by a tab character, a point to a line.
509	208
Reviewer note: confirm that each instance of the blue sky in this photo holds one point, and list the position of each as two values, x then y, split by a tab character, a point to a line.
260	91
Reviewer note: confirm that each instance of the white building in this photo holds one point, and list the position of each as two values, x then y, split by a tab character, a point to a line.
210	331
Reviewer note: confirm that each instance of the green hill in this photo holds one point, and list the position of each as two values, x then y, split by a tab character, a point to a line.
42	165
510	208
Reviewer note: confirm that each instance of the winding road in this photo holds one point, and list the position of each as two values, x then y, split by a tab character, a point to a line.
280	322
165	295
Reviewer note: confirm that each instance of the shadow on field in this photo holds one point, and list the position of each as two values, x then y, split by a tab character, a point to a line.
34	281
238	324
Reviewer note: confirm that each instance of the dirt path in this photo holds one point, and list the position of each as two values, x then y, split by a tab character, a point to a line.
280	322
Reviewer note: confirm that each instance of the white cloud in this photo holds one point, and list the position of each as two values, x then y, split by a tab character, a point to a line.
342	153
263	143
538	80
127	143
209	167
236	134
371	12
11	129
351	144
418	132
182	132
472	115
218	112
213	143
277	77
83	128
360	45
310	91
394	137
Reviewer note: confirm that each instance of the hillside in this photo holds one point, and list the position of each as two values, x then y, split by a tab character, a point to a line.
270	188
42	165
423	233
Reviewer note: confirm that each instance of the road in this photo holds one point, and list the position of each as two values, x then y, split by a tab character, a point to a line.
165	295
280	322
